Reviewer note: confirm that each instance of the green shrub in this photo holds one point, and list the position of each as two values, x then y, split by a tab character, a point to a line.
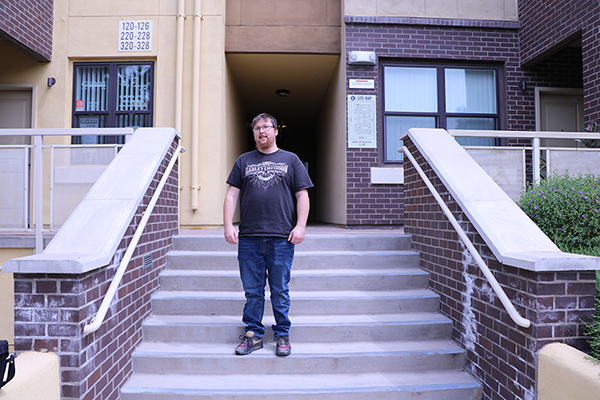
567	210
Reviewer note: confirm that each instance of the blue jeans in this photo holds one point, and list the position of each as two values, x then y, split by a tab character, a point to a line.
263	259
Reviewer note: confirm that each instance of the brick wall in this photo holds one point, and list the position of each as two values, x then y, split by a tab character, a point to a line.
27	25
500	354
548	26
52	309
440	40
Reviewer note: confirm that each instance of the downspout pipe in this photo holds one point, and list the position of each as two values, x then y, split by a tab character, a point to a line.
179	65
195	187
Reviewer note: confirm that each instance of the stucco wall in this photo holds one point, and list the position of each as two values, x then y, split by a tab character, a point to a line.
87	30
330	190
461	9
36	378
567	373
310	26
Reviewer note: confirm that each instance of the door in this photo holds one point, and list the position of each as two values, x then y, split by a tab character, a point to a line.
15	112
561	113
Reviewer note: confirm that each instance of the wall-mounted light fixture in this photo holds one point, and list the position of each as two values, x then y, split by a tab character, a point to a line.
51	81
282	92
523	85
362	58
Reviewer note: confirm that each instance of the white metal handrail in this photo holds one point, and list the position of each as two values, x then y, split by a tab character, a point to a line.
508	306
114	285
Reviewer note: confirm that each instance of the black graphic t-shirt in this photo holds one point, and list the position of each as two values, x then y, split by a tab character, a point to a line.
268	185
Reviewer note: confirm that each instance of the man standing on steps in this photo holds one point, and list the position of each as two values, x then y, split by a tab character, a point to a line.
272	186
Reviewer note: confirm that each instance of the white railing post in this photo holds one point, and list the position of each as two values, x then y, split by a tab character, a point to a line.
26	185
39	195
536	160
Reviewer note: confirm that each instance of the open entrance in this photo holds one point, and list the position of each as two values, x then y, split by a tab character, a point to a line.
297	89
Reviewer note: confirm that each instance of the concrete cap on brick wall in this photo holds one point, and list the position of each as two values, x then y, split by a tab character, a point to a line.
91	235
510	234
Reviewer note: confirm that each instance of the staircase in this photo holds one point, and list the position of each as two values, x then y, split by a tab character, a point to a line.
363	326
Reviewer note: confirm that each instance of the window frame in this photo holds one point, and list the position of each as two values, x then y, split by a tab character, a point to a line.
112	113
441	116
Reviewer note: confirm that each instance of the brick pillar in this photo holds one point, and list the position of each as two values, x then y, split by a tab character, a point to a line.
52	309
500	354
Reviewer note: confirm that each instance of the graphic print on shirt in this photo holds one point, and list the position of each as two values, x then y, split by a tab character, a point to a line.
266	174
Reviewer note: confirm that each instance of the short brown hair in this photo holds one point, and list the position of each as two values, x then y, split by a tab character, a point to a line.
265	117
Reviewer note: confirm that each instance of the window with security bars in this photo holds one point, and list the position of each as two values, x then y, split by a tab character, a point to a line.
438	96
112	95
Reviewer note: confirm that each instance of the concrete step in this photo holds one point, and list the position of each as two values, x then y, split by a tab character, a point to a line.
364	326
227	260
177	302
354	242
304	280
306	358
450	385
305	329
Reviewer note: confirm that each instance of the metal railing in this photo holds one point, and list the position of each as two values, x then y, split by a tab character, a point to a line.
37	175
508	306
114	285
536	148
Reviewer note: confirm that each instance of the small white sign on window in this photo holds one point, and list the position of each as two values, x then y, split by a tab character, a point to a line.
135	35
361	121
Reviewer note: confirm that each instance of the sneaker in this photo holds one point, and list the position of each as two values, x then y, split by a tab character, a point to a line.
283	346
250	342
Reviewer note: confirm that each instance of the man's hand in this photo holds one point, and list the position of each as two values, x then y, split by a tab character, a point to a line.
297	235
231	235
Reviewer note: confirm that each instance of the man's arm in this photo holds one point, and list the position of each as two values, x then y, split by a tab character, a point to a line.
302	208
229	206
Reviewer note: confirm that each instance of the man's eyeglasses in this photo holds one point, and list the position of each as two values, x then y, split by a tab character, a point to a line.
263	128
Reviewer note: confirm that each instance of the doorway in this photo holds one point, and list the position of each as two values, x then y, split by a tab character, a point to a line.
15	112
296	89
559	110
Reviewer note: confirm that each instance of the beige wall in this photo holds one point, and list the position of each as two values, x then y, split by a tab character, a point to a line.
567	373
36	378
310	26
87	30
330	189
461	9
7	294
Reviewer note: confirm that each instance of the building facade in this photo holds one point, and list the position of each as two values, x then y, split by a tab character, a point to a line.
344	78
206	67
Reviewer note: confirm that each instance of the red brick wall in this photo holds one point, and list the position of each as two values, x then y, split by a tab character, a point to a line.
400	38
27	25
52	309
500	354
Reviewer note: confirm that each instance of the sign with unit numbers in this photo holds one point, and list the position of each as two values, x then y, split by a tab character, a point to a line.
135	35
